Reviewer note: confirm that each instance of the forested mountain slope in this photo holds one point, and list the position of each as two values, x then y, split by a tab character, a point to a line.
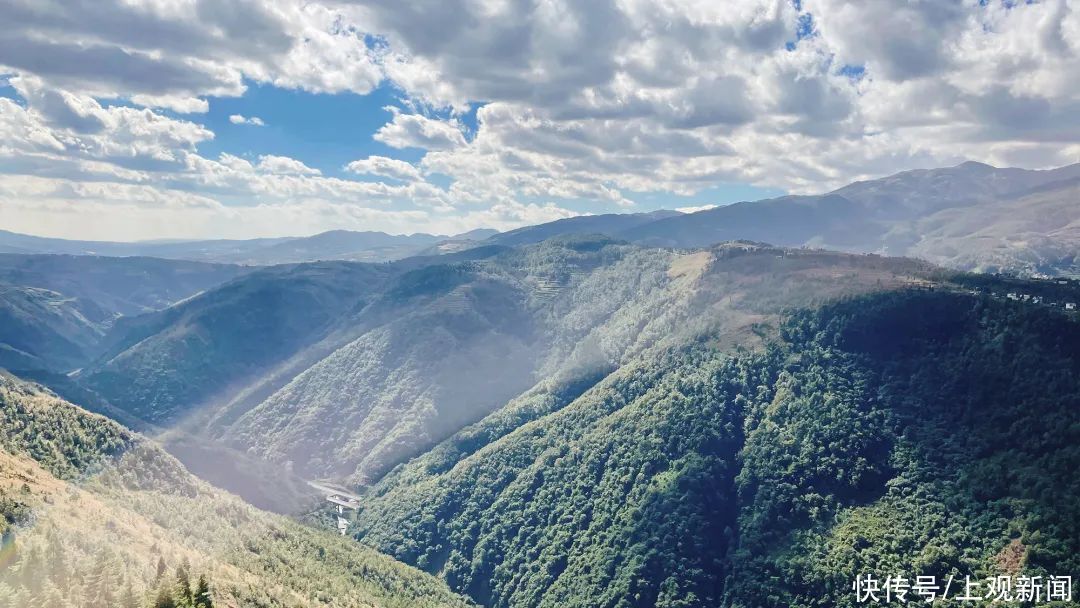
94	515
42	329
607	223
902	432
55	310
445	345
122	286
164	364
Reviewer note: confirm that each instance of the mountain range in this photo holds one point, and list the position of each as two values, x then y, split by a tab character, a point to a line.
746	406
665	427
347	382
55	310
970	217
333	245
874	434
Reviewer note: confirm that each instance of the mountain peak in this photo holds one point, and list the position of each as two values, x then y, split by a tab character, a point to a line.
975	165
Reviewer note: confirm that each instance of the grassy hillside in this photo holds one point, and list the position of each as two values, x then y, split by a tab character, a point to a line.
909	432
96	515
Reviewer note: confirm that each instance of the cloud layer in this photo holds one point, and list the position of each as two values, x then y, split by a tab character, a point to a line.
589	103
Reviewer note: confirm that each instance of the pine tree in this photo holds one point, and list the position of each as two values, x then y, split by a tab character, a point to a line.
161	569
128	599
182	591
51	597
202	594
164	599
101	584
57	559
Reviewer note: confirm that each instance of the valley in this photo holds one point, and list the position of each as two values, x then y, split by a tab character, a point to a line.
539	304
553	416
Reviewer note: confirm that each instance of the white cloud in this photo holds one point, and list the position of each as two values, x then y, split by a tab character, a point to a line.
240	119
113	210
179	104
384	167
79	127
268	163
170	54
418	131
679	95
583	101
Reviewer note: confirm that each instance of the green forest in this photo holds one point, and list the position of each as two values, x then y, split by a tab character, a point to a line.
580	422
914	432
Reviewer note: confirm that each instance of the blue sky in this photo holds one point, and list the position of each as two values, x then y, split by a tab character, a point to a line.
327	131
117	119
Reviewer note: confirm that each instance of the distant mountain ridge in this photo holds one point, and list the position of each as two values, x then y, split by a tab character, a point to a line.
123	286
56	309
971	217
611	224
368	246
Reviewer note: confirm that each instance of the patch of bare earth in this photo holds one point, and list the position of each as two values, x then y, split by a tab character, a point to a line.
1011	558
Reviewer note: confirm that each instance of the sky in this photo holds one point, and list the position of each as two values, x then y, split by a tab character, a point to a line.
148	119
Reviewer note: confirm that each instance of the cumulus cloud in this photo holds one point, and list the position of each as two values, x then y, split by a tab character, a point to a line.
418	131
676	96
385	167
170	54
240	119
268	163
585	101
113	210
80	128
